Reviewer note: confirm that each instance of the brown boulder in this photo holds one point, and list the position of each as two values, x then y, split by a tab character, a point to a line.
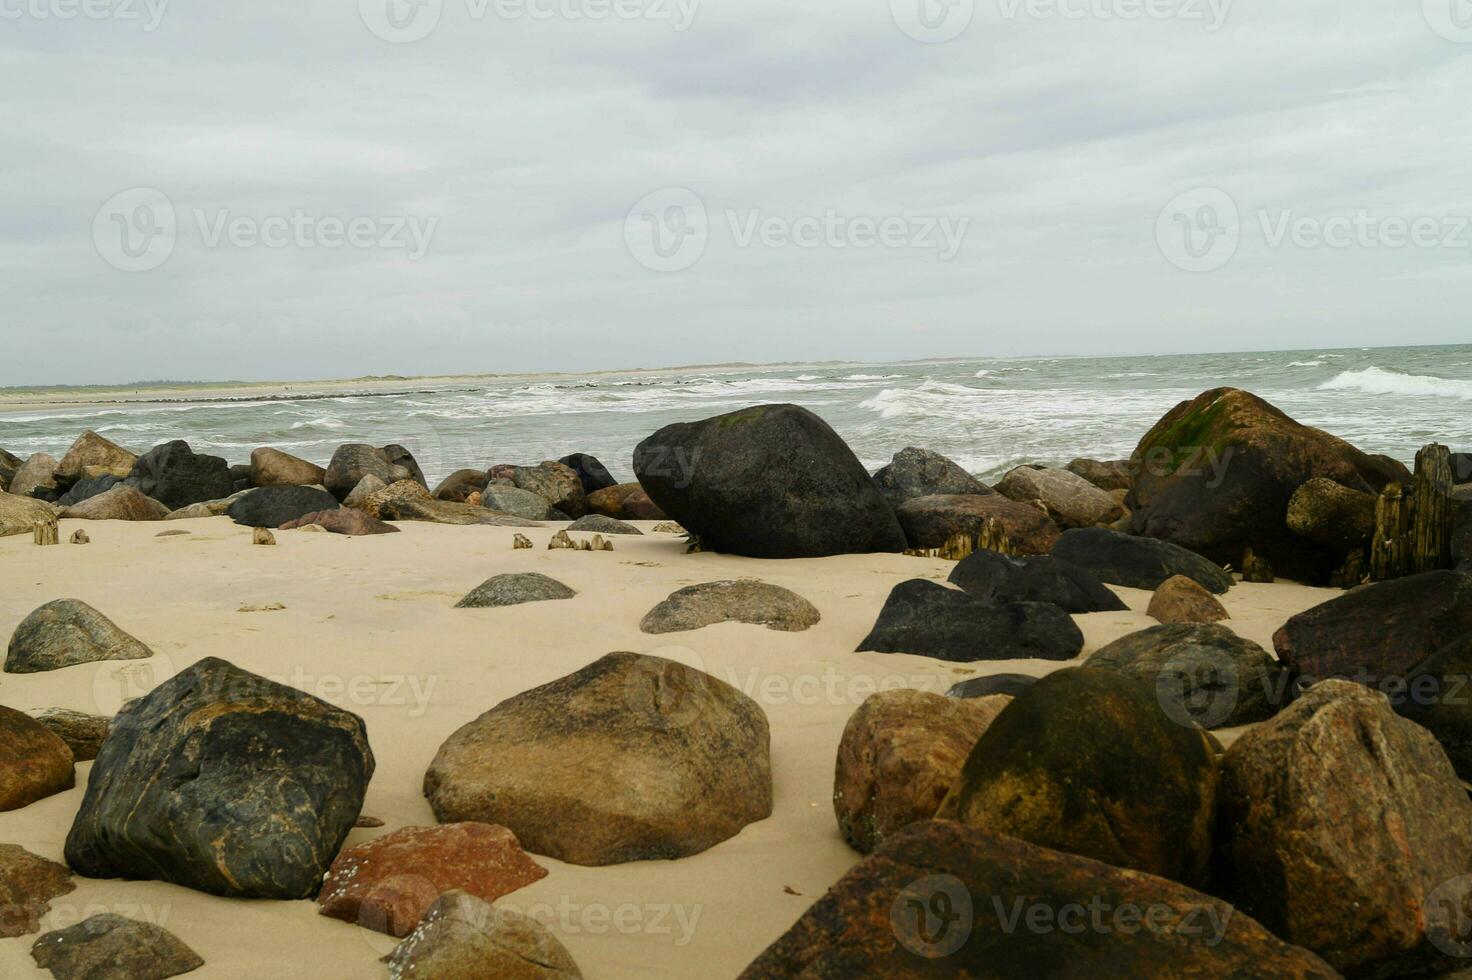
82	733
944	900
273	468
34	763
1332	515
556	482
901	752
389	883
1340	822
464	938
638	507
121	503
352	462
1068	498
631	758
930	522
27	885
18	515
92	451
36	477
1181	600
1110	476
342	520
459	485
412	508
610	501
403	490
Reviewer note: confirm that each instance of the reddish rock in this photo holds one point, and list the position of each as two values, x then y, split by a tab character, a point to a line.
930	522
610	501
638	507
389	883
1181	600
34	762
27	885
343	520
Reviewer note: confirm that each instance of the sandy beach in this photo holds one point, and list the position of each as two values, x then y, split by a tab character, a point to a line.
368	624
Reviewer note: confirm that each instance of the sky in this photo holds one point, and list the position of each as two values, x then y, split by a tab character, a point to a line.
295	189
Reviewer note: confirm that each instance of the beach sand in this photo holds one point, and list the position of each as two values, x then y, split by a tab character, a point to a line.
369	625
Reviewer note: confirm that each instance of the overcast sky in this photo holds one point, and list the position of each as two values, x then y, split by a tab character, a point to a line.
310	188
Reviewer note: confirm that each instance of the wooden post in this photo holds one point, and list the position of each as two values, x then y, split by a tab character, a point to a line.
1432	510
1389	545
47	532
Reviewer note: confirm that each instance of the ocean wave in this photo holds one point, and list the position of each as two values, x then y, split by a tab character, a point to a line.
1379	381
983	373
325	422
806	377
1305	363
872	377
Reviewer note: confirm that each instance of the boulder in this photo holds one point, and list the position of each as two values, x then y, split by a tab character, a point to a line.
927	619
225	782
632	758
360	495
593	474
916	473
274	468
983	687
34	763
1217	474
92	451
113	946
207	508
1462	467
1180	600
556	483
67	632
460	484
177	476
598	524
513	589
27	885
9	461
1107	476
86	489
637	506
1377	631
82	733
1437	695
1088	762
1200	674
899	755
1340	824
389	883
610	500
1332	515
445	512
240	477
36	478
402	490
122	502
774	481
275	506
742	601
994	577
943	900
464	938
18	515
352	462
1068	498
342	520
930	522
1137	563
516	502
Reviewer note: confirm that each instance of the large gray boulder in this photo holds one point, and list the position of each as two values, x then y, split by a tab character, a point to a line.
65	633
354	461
1068	498
915	472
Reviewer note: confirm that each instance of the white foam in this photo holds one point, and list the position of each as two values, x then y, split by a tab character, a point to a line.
1378	381
1305	363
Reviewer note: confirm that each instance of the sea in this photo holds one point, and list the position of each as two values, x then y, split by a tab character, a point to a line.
988	414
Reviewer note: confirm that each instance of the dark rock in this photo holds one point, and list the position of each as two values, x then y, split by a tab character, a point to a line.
994	577
121	502
983	687
274	468
930	522
82	733
113	947
464	938
927	619
445	512
899	755
34	763
226	782
274	506
27	885
632	758
1201	674
773	481
9	461
593	474
1377	631
1345	829
743	601
1462	467
1088	762
1217	474
1111	475
513	589
87	489
559	484
943	900
1069	499
598	524
1181	600
342	520
389	883
67	632
1331	515
916	473
517	503
36	478
177	476
459	485
1437	695
354	461
1137	563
